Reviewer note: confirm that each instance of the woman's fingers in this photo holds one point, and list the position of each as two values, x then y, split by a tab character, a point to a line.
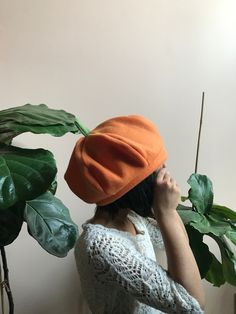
164	179
161	174
165	176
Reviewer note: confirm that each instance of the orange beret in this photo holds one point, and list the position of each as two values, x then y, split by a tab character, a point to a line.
113	158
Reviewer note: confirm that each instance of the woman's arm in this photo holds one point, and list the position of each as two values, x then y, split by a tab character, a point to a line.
182	266
112	260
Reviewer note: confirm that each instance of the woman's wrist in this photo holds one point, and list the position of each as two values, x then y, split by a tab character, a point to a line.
170	220
163	216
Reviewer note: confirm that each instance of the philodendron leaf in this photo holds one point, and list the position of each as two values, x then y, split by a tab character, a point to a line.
200	194
11	220
36	119
200	250
24	173
50	224
215	273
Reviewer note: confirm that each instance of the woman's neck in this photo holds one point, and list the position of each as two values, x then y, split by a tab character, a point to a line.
119	222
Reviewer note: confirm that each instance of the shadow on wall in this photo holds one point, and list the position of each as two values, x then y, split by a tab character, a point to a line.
220	297
60	301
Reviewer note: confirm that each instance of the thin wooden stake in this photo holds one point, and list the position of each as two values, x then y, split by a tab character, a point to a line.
199	132
2	290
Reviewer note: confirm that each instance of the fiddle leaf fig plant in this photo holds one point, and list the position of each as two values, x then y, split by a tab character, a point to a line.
37	119
28	182
25	173
27	176
49	222
216	221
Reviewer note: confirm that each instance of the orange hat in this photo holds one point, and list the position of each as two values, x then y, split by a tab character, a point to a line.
113	158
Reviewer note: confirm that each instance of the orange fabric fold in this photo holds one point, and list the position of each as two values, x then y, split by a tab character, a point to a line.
117	155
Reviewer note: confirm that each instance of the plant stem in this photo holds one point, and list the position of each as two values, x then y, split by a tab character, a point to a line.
199	132
6	281
2	292
83	129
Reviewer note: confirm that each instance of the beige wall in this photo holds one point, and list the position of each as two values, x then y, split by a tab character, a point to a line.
100	58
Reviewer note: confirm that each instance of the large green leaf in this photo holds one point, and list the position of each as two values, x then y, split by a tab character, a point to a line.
188	215
24	173
224	212
200	194
200	250
215	273
203	223
209	224
11	220
50	224
36	119
228	260
231	235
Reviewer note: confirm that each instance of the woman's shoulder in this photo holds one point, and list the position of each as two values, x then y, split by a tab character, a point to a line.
97	242
94	235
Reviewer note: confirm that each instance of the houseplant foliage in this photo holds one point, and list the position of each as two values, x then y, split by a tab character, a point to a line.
216	221
28	180
28	186
204	217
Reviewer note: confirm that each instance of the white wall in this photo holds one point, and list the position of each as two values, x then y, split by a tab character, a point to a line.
101	58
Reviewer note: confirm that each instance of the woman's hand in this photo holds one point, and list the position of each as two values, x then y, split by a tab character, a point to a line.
166	194
182	266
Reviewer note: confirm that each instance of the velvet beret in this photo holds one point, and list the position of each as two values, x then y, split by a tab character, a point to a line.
113	158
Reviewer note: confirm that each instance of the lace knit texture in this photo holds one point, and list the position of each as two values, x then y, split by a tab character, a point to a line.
119	273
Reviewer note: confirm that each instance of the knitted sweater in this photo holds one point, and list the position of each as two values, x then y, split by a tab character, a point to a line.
119	273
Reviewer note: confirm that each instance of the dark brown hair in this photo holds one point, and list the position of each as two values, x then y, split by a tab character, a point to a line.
139	199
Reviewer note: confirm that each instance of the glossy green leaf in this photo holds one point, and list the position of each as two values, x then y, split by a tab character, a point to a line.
224	212
50	224
228	260
208	224
229	267
36	119
203	223
200	194
215	273
24	173
11	220
231	235
200	250
53	187
188	215
217	226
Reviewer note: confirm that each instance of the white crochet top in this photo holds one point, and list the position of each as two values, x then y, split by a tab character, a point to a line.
119	273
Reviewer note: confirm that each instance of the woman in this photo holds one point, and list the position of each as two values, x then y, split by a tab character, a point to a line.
120	166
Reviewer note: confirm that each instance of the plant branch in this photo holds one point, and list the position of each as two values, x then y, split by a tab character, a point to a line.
6	281
199	132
